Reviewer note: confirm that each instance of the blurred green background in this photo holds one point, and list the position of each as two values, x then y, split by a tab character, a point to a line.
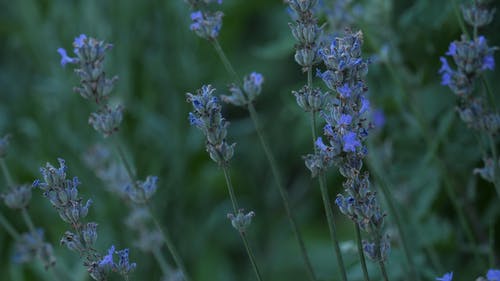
422	147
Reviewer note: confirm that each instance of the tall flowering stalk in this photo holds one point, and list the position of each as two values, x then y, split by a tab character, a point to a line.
346	130
307	33
96	86
472	58
207	117
63	195
207	25
29	245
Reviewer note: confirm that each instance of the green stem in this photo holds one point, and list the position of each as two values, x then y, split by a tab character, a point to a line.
28	221
170	245
6	173
394	214
491	254
250	255
331	225
459	18
495	164
282	191
383	271
165	234
234	202
428	140
272	162
227	64
361	253
160	259
230	189
8	227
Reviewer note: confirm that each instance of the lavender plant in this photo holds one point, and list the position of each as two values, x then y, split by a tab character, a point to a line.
207	25
94	85
30	245
307	33
346	129
473	57
62	193
208	118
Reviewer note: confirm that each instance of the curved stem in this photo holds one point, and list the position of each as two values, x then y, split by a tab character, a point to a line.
250	255
230	189
28	221
272	163
361	253
459	18
331	225
8	227
170	245
282	191
227	64
383	271
165	235
234	202
6	173
160	259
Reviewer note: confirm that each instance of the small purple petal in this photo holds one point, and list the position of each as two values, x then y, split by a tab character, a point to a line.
344	91
452	50
350	142
493	275
447	277
64	57
345	119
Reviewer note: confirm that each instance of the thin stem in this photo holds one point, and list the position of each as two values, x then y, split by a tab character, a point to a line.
272	163
160	259
491	254
331	225
282	191
361	253
8	227
165	235
495	164
383	271
459	18
6	173
234	202
170	245
250	255
394	214
28	221
230	189
428	140
227	64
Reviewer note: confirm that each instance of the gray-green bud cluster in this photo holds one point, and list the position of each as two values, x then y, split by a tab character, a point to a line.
241	221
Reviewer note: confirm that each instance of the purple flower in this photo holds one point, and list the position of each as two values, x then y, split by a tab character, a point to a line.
445	72
65	58
350	142
320	145
257	78
80	41
365	105
124	266
378	118
493	275
344	91
488	62
345	119
452	50
447	277
107	260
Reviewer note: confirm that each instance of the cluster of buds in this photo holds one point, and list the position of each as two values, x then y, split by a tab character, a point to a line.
205	23
208	118
306	31
252	87
94	85
346	130
63	195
